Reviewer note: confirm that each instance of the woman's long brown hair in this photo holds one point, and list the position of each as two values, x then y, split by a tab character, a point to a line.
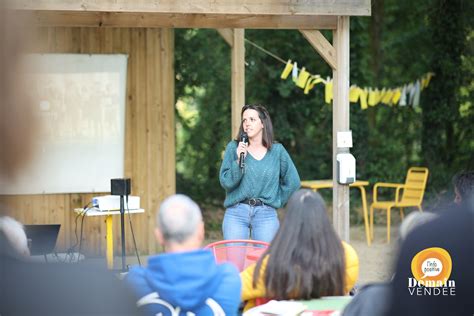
306	258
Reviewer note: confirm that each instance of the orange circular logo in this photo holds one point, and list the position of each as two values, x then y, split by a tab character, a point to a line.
431	267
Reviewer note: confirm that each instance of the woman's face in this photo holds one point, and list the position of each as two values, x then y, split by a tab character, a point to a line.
251	123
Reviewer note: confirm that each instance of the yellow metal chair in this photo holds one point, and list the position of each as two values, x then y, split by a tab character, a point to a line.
409	194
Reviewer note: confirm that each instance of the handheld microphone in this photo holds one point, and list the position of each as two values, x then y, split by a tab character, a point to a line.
244	138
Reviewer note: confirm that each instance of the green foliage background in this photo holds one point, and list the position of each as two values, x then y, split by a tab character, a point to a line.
396	45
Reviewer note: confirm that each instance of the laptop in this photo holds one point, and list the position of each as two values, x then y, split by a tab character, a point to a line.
42	238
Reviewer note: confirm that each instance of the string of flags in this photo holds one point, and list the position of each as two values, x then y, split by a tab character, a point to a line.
406	95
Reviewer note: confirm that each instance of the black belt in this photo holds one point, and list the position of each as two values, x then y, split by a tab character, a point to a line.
252	202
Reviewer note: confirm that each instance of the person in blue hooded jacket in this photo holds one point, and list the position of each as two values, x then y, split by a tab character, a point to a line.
185	278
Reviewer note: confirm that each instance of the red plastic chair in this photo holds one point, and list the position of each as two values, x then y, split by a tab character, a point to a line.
240	252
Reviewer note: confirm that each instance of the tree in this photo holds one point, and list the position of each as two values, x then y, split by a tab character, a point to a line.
442	134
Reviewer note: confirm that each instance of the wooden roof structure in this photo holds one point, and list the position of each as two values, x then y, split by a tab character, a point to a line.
230	18
270	14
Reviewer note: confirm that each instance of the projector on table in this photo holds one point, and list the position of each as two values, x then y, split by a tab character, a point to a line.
112	202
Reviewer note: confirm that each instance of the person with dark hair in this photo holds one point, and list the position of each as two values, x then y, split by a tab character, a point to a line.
451	293
185	280
373	299
463	183
428	232
260	183
305	260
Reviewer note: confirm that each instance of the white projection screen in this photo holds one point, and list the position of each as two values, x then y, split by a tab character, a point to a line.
79	102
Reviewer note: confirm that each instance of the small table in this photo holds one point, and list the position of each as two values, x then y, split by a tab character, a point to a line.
109	232
328	184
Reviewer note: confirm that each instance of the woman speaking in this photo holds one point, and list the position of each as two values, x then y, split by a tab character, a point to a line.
258	177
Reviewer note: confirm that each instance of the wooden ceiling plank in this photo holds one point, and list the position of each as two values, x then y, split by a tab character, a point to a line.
113	19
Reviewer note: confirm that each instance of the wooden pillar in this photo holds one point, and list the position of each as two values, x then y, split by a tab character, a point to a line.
236	40
238	78
340	123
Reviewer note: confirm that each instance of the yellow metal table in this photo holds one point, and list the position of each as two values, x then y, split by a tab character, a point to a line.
109	232
327	184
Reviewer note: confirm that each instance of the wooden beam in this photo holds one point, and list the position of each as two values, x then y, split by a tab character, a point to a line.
170	20
227	35
238	78
321	45
340	116
256	7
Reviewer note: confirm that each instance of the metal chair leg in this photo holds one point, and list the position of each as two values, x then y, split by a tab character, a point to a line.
366	220
372	223
388	224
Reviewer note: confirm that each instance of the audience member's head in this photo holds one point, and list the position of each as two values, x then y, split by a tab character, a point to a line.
414	220
306	257
463	183
179	225
448	238
13	240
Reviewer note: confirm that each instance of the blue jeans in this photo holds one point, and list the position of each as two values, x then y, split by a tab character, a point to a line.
243	221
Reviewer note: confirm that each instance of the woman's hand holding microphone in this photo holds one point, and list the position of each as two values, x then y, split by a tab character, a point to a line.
242	149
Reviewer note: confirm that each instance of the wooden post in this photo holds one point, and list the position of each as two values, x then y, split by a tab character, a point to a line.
340	196
238	78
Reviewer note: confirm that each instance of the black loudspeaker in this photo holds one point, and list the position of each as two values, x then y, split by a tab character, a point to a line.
120	186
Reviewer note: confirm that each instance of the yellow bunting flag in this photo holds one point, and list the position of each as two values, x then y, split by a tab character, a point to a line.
302	78
378	95
328	92
371	100
312	81
426	80
396	95
387	97
363	98
287	70
354	93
